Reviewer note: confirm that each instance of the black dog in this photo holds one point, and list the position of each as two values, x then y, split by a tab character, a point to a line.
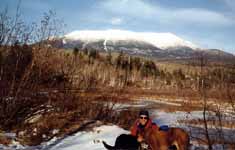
124	142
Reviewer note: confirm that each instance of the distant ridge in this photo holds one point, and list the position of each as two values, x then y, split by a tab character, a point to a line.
164	46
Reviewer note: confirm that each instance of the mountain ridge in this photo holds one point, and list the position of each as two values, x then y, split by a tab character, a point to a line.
139	44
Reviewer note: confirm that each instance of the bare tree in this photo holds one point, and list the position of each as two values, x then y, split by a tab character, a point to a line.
202	89
18	59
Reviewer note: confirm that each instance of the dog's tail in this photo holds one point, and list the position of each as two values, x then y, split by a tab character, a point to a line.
108	146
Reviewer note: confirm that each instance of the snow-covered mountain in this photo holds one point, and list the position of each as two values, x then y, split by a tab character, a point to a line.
149	44
160	40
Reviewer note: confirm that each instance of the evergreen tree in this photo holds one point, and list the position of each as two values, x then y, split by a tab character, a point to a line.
109	58
75	53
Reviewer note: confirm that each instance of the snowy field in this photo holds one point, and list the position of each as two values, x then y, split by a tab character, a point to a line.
92	140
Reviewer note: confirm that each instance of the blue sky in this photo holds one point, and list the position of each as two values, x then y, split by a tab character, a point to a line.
207	23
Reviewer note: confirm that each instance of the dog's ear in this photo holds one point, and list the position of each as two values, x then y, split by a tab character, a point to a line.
109	147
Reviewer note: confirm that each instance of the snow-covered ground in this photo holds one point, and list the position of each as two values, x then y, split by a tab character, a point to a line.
92	140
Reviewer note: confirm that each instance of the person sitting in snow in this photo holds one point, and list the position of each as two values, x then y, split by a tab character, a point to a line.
141	124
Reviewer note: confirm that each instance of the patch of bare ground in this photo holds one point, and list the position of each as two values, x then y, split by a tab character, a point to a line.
48	126
189	101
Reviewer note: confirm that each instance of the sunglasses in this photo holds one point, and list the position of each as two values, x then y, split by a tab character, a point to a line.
144	118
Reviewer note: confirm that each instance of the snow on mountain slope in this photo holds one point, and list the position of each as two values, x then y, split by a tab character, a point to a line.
161	40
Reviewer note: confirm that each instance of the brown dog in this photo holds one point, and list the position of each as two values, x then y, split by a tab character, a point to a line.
162	140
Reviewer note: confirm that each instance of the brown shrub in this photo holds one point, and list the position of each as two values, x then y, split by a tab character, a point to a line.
4	140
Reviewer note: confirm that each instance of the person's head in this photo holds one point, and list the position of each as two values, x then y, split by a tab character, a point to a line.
143	117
